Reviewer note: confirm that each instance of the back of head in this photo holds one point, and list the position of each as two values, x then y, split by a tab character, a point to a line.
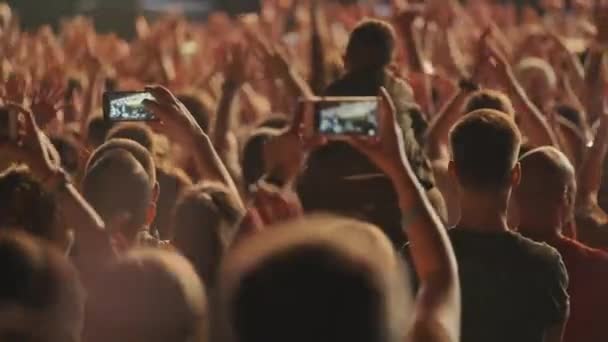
97	130
547	190
252	162
318	279
133	131
68	153
134	148
196	107
26	205
117	185
40	295
485	145
489	99
204	222
371	45
147	296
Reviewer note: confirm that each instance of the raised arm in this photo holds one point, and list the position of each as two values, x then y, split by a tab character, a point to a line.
35	150
532	122
234	77
590	174
180	126
437	315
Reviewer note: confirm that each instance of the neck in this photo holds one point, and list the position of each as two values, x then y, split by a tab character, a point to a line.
485	212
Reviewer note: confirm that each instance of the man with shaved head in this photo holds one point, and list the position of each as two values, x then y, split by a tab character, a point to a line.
545	200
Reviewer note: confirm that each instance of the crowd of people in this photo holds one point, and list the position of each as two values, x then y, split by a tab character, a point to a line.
476	213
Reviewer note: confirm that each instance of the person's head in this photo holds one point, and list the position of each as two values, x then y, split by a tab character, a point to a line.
339	179
539	80
319	279
41	298
139	133
147	295
252	160
485	147
196	107
572	114
68	152
97	130
26	205
205	221
371	45
545	197
489	99
121	189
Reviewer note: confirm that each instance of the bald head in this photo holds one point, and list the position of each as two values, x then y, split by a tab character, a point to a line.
318	279
547	190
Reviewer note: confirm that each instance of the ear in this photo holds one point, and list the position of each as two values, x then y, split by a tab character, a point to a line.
516	175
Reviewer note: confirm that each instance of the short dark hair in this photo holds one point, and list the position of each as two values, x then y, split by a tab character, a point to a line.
489	99
196	107
39	279
26	205
68	152
97	130
330	270
571	114
137	150
371	44
252	161
204	222
485	145
116	183
139	133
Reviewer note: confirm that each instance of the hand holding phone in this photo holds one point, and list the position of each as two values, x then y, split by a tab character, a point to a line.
347	116
127	106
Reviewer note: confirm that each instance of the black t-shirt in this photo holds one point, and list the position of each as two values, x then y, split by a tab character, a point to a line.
513	288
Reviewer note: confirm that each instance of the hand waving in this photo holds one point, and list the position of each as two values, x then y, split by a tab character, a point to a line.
32	147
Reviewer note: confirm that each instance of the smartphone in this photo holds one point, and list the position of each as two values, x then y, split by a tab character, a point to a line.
8	125
347	116
126	106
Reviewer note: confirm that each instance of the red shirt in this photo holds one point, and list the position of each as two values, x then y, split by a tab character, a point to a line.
588	290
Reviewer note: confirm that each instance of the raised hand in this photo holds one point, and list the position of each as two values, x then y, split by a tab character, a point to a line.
387	150
46	101
285	154
175	119
32	147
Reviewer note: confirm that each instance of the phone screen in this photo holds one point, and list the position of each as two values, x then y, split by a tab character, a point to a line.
356	116
127	106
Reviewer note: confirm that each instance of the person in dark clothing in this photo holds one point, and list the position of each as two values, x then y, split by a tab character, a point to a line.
369	52
546	199
513	289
